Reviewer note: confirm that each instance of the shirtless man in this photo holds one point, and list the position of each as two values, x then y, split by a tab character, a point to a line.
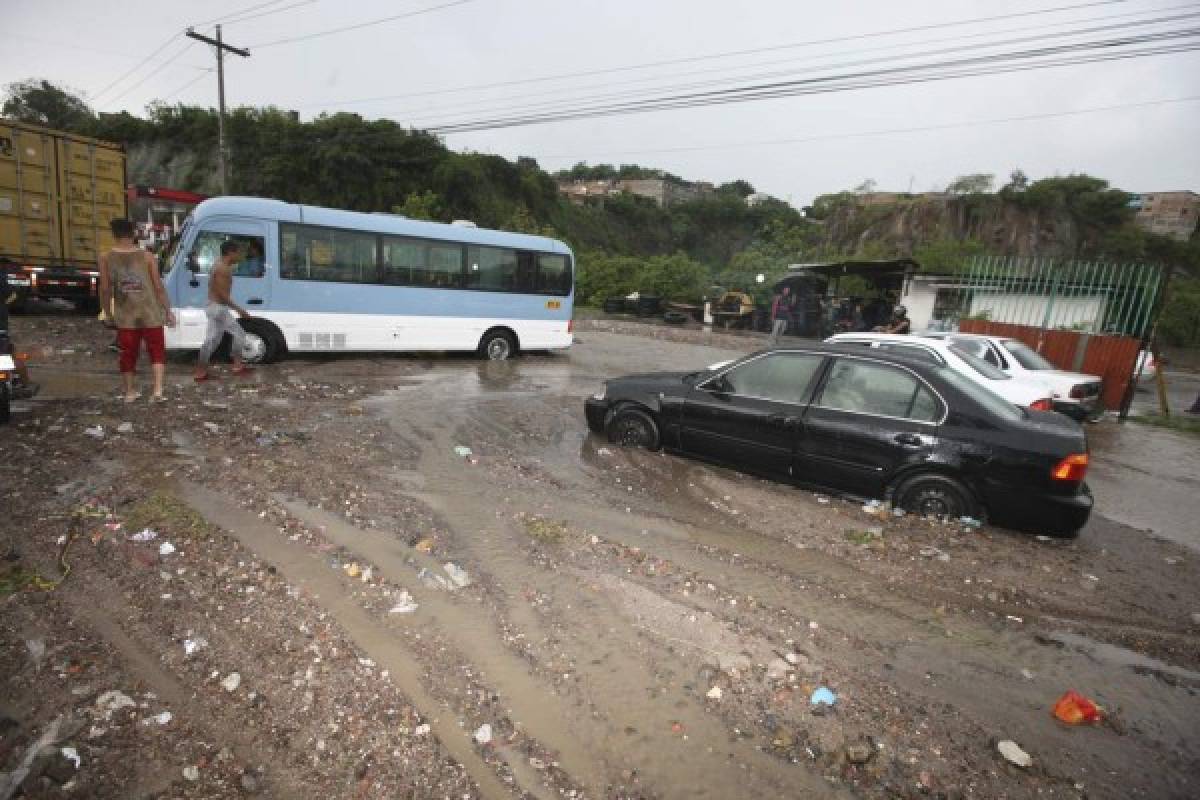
220	312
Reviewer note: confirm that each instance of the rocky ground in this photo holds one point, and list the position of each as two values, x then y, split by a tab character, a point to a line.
404	576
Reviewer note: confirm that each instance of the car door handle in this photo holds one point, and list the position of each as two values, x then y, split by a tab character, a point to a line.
909	439
254	301
783	421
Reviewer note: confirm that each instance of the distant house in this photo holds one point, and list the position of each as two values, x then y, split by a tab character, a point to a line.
665	192
937	302
1171	214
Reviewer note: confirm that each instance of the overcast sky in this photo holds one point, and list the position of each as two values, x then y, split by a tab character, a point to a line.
793	148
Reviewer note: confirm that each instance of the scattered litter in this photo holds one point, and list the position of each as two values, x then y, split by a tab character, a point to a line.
231	682
875	530
484	734
715	693
859	753
457	574
823	697
96	432
125	427
37	651
813	625
537	763
1026	674
1014	754
971	522
1073	709
166	548
404	604
1012	618
72	755
367	574
822	500
1041	538
1091	577
192	773
162	719
191	646
433	580
425	545
603	451
898	512
933	552
421	730
113	700
212	427
352	569
145	535
1173	560
462	451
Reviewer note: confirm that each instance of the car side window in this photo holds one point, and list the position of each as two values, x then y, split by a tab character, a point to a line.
782	377
975	347
878	389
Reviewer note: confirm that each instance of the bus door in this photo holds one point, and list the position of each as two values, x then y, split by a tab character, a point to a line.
251	277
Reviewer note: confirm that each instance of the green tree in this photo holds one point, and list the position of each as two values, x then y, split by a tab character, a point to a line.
978	183
421	205
946	254
40	102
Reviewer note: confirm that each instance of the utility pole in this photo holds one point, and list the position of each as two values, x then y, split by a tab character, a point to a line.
221	48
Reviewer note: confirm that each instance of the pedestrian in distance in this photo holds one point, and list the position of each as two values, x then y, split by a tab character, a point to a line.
221	311
132	291
781	315
899	324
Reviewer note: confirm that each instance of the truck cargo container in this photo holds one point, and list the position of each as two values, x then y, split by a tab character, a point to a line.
58	193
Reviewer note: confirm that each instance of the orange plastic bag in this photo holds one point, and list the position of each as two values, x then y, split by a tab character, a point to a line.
1073	709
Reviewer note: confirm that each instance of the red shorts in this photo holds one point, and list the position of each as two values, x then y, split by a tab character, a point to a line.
129	340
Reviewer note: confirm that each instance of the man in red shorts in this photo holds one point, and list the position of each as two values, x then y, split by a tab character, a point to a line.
132	289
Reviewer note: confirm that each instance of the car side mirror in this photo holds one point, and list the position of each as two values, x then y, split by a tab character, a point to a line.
719	384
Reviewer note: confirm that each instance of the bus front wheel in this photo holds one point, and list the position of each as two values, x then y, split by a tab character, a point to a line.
264	343
497	345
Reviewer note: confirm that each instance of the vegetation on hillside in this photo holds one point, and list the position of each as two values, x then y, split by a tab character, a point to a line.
626	243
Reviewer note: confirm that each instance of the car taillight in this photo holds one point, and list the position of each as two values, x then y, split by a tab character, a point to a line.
1045	404
1072	468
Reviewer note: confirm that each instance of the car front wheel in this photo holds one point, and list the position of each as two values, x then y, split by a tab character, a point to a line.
935	495
633	428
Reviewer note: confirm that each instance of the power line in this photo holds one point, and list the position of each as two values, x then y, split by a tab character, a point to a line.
271	11
427	113
136	67
381	21
148	76
725	54
188	85
83	48
890	131
233	14
862	79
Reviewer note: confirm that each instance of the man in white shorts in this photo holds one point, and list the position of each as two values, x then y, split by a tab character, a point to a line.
220	312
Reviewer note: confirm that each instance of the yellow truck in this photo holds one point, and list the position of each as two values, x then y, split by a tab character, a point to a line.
58	193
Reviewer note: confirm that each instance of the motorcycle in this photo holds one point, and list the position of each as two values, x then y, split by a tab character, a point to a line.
12	387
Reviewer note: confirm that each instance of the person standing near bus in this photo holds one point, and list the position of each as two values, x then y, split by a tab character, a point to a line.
220	312
132	290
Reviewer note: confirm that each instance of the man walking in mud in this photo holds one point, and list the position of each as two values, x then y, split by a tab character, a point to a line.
220	312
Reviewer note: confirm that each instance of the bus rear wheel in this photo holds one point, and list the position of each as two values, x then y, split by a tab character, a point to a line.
497	345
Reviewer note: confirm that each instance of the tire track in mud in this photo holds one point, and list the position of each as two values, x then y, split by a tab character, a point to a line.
303	568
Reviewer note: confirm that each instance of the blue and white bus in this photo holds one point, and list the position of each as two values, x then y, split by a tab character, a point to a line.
318	279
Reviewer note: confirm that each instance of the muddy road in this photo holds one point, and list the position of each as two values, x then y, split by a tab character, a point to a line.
430	581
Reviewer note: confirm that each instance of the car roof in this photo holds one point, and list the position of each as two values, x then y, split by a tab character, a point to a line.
838	349
891	338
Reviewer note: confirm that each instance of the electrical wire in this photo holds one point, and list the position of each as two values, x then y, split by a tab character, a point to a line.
843	82
136	67
475	108
885	131
270	12
232	14
188	85
370	23
725	54
186	47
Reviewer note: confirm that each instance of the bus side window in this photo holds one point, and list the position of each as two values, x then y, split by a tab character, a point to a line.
553	275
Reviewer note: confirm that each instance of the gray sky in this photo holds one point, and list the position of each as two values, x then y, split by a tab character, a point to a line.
794	148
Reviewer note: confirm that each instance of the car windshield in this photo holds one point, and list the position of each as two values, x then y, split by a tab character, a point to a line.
979	365
982	395
1026	356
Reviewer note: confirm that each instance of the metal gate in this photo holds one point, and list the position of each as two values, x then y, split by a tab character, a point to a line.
1082	316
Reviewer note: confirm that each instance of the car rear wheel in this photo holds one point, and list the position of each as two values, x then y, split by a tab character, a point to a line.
633	428
935	495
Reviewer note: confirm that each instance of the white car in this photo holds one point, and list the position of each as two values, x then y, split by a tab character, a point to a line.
1074	393
1023	393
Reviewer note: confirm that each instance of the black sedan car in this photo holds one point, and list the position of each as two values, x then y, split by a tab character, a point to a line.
868	424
